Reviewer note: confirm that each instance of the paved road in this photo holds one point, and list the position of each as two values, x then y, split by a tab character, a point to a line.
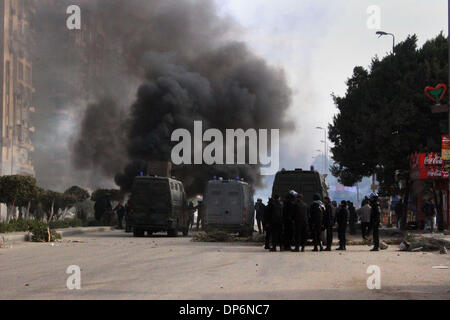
114	265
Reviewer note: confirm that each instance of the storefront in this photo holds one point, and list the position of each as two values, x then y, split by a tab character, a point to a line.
429	182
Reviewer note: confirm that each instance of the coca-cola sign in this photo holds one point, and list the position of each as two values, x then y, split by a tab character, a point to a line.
427	166
433	159
436	174
426	160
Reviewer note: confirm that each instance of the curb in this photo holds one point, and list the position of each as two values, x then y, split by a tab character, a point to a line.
25	236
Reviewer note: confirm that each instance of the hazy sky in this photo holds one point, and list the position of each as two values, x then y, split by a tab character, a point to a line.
318	43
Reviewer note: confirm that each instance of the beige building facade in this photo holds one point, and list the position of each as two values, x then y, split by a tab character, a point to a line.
16	89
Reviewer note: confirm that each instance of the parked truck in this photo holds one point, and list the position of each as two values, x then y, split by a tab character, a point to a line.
158	204
229	207
307	183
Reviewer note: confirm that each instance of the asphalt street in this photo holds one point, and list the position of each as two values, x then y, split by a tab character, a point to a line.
114	265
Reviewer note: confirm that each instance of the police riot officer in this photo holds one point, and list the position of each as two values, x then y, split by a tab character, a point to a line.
300	218
267	223
288	212
341	218
375	217
276	222
259	209
316	212
328	223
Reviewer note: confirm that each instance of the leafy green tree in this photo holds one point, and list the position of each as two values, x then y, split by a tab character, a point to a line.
51	202
384	116
36	208
78	193
16	191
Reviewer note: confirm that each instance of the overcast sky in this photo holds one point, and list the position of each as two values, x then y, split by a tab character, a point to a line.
318	43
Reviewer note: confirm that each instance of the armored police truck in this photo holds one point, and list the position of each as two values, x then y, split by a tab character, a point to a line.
307	183
158	204
229	206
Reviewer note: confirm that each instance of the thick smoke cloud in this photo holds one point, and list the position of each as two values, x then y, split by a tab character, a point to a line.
189	70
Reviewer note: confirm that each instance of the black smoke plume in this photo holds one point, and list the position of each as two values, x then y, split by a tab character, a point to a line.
190	68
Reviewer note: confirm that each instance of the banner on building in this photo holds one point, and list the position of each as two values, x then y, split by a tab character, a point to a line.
428	166
446	148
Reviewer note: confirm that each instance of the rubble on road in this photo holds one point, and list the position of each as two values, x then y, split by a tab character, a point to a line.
222	236
424	243
213	236
404	245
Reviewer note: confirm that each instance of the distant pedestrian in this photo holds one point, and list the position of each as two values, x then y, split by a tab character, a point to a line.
120	211
300	218
352	217
259	209
364	215
429	209
200	214
365	200
342	218
398	209
328	223
334	207
316	212
375	219
191	214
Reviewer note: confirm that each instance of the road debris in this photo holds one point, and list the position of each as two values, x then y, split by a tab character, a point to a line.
415	243
213	236
404	246
440	267
383	245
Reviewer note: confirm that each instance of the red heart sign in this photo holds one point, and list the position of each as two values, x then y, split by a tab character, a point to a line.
436	93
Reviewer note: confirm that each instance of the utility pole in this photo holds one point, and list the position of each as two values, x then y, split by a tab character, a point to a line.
325	154
357	190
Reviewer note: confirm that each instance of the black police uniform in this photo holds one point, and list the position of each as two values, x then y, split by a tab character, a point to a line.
288	212
328	222
300	218
341	218
375	217
276	223
316	212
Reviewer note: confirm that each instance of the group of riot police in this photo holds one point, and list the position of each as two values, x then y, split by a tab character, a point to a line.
289	222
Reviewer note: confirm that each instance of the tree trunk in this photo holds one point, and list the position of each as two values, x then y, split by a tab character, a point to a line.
10	212
27	212
51	211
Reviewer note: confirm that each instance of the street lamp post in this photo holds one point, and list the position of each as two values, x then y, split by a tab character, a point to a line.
324	141
321	153
382	33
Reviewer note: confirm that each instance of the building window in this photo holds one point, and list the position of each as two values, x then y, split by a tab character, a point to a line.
28	75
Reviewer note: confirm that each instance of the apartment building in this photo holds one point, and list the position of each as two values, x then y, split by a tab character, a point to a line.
16	89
